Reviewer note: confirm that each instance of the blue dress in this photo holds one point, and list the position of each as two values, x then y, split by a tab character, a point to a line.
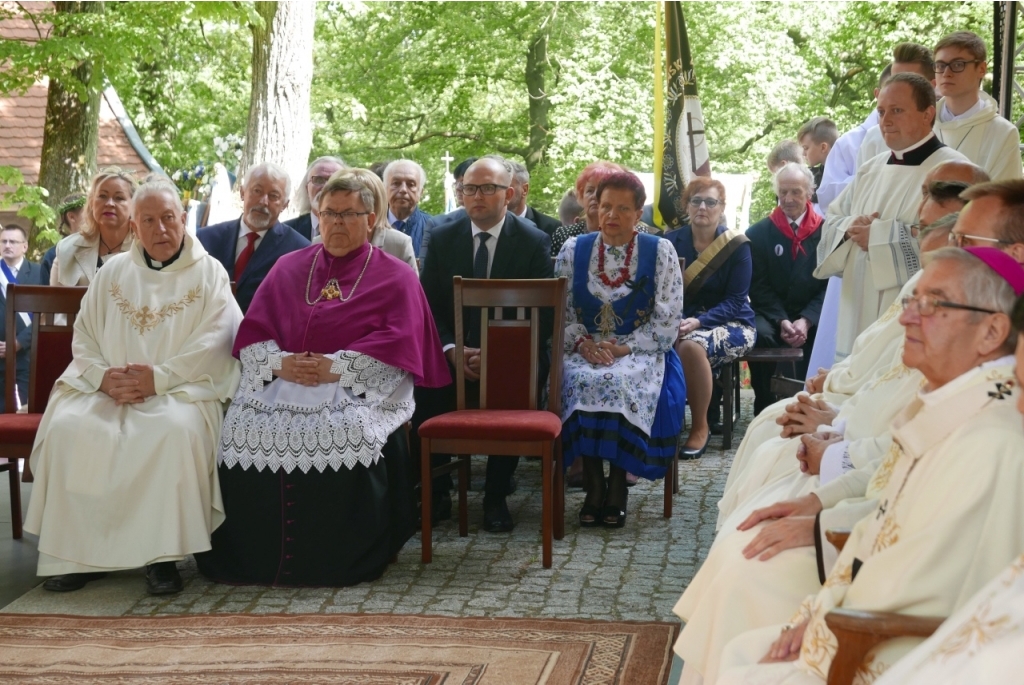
630	412
722	306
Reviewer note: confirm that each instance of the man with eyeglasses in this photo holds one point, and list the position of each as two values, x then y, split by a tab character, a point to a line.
16	269
968	118
250	245
489	242
867	236
319	172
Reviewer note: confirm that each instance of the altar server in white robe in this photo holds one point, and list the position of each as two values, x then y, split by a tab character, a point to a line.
983	642
867	234
765	449
124	458
930	542
968	118
753	577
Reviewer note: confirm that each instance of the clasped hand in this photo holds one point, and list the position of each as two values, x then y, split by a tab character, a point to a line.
602	353
860	230
794	334
307	369
470	361
130	384
805	415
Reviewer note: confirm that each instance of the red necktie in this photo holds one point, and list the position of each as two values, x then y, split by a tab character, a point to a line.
243	257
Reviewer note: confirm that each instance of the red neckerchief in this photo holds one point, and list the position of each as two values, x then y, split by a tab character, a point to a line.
812	220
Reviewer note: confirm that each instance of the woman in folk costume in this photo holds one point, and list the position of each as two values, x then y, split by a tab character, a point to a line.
313	461
718	323
124	456
623	393
105	232
949	515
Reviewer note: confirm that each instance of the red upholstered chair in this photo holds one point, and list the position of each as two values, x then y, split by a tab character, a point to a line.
508	421
51	355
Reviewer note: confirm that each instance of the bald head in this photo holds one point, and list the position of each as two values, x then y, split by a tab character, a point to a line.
942	187
494	165
956	170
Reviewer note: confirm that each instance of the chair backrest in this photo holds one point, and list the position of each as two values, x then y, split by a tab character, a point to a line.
51	338
510	348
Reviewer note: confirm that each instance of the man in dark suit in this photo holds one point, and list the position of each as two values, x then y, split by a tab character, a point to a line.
518	206
322	168
488	243
250	245
404	181
16	269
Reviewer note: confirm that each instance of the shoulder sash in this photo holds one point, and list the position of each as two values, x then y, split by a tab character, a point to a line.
711	260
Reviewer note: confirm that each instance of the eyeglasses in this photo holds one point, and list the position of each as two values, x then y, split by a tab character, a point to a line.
487	188
12	242
708	202
347	217
964	239
957	65
319	180
926	305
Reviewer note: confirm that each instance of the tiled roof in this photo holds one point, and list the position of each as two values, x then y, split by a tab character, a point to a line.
22	118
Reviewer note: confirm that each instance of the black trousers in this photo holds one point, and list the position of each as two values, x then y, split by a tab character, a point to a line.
769	335
431	402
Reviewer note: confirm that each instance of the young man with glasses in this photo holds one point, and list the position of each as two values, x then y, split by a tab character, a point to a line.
14	268
967	117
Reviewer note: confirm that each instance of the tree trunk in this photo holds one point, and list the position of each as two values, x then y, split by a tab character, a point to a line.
279	128
71	130
536	67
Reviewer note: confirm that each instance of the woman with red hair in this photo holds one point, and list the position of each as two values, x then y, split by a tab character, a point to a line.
623	394
718	323
586	194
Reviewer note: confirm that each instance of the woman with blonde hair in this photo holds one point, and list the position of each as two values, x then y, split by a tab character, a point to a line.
395	243
104	232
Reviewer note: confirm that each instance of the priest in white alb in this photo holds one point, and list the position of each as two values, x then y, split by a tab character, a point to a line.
867	236
930	542
124	459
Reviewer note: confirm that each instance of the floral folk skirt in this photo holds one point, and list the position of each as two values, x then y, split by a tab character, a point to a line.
724	343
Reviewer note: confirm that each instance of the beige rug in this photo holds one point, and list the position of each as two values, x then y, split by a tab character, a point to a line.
366	649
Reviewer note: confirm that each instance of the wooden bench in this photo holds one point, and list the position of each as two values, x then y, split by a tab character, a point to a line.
730	380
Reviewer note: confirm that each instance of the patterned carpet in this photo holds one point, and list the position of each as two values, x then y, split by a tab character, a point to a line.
340	648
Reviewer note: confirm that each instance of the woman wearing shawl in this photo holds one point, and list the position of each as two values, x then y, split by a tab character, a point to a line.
718	323
785	295
313	461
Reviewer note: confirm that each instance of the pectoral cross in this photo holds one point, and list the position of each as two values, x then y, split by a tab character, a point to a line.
882	509
1003	390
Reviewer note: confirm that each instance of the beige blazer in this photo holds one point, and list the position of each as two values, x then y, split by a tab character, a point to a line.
75	263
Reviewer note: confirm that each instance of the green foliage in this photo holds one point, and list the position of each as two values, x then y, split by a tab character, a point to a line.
31	203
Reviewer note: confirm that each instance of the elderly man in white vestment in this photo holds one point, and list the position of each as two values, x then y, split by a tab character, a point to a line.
944	525
765	449
125	454
754	577
867	235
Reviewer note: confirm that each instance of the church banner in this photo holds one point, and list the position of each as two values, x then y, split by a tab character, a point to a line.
680	147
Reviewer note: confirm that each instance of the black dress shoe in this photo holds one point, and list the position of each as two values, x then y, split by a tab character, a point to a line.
716	428
163	578
513	485
688	453
441	507
497	517
69	582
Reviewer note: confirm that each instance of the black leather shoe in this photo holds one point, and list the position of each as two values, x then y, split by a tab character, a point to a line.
716	428
163	578
70	582
688	453
441	507
513	485
497	517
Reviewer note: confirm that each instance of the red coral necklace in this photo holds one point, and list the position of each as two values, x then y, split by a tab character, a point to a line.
623	272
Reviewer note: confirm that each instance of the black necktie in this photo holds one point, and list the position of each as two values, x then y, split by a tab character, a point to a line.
796	229
480	261
479	271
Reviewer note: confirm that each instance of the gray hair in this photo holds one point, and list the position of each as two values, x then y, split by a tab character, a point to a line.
982	286
155	186
274	172
785	151
355	181
301	198
794	168
569	208
392	166
519	172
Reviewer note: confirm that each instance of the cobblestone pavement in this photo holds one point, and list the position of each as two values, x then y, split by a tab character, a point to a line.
633	573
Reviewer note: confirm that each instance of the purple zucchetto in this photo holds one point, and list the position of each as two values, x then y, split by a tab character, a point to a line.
1003	264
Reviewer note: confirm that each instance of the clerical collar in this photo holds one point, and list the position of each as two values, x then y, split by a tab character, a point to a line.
157	266
916	154
945	115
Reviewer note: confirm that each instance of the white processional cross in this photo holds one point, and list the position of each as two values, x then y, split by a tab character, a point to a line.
449	182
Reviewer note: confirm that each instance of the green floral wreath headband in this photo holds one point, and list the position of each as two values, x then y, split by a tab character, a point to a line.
71	206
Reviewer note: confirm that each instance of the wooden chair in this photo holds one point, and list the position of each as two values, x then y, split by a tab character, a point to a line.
858	632
730	381
508	421
51	355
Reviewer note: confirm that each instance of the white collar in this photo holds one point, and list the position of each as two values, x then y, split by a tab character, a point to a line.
799	220
954	385
245	230
392	218
494	231
945	115
522	213
17	267
899	153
